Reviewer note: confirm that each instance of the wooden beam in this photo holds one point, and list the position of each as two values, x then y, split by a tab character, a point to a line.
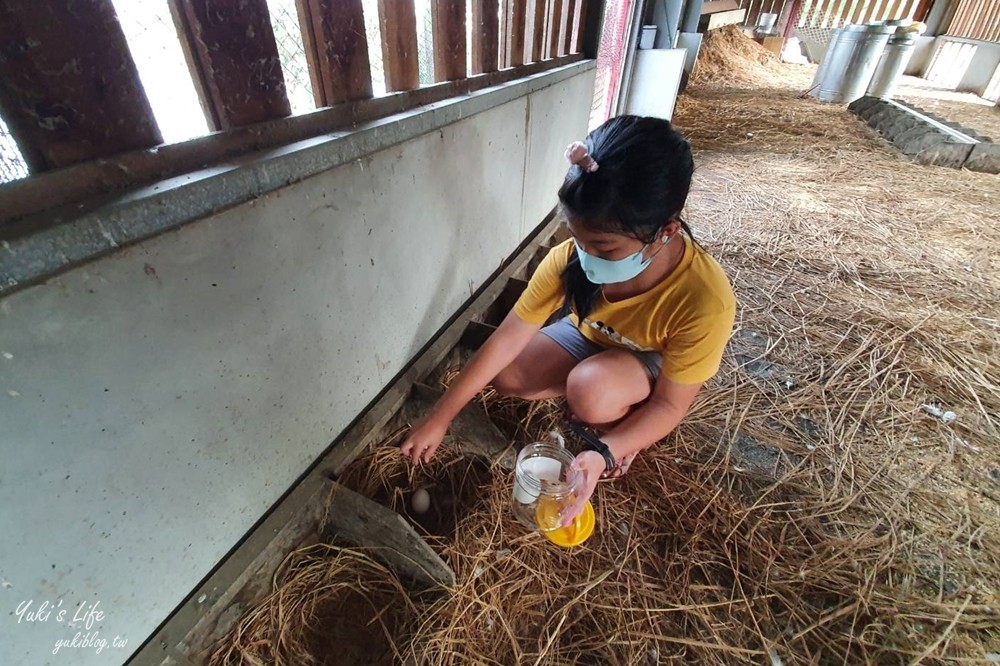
537	16
240	77
518	28
69	89
448	25
398	22
485	36
341	50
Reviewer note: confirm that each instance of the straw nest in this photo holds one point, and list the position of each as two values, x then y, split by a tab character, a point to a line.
810	509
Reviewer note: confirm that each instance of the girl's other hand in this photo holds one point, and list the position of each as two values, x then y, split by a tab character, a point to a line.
424	439
591	465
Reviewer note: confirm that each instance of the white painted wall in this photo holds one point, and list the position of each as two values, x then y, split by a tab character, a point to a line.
154	403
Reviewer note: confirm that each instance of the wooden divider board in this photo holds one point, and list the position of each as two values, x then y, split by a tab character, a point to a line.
398	23
538	16
341	50
516	36
485	36
239	79
69	89
448	21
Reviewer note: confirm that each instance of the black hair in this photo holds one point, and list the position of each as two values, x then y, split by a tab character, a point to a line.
642	182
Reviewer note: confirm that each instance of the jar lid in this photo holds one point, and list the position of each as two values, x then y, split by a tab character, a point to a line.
571	535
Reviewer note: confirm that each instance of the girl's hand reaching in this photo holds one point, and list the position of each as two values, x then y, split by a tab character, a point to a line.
424	439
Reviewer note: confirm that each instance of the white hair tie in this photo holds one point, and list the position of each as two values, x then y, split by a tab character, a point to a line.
577	154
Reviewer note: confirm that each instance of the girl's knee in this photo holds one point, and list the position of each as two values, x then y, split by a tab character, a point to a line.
589	399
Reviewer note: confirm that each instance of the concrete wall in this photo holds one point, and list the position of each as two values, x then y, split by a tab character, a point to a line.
156	402
981	69
983	59
921	57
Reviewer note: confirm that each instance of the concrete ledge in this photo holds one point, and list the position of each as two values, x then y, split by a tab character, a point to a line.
40	247
927	139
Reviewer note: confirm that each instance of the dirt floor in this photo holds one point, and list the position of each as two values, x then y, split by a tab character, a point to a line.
819	505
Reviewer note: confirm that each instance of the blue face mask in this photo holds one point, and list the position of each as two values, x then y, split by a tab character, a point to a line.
606	271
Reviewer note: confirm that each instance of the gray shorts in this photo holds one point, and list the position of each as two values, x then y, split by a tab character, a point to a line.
569	337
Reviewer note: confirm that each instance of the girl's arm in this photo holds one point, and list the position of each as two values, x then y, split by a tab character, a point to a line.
664	410
656	419
499	350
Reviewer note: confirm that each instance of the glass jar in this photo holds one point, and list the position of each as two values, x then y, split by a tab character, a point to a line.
545	485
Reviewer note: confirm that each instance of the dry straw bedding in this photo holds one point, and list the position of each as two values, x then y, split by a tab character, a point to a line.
808	511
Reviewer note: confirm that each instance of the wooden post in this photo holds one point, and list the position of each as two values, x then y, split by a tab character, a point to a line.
448	25
236	60
398	22
341	50
485	36
69	89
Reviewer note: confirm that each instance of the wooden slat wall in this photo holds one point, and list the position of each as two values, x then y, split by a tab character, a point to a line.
398	25
485	36
341	50
69	89
240	79
73	70
976	19
448	19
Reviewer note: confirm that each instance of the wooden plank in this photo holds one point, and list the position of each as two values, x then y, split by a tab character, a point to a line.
536	28
28	197
386	535
485	36
67	96
923	8
553	29
504	8
342	49
581	12
567	37
518	28
240	77
398	23
448	24
311	49
563	28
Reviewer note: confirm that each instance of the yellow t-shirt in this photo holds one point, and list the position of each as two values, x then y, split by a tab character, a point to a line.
688	316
